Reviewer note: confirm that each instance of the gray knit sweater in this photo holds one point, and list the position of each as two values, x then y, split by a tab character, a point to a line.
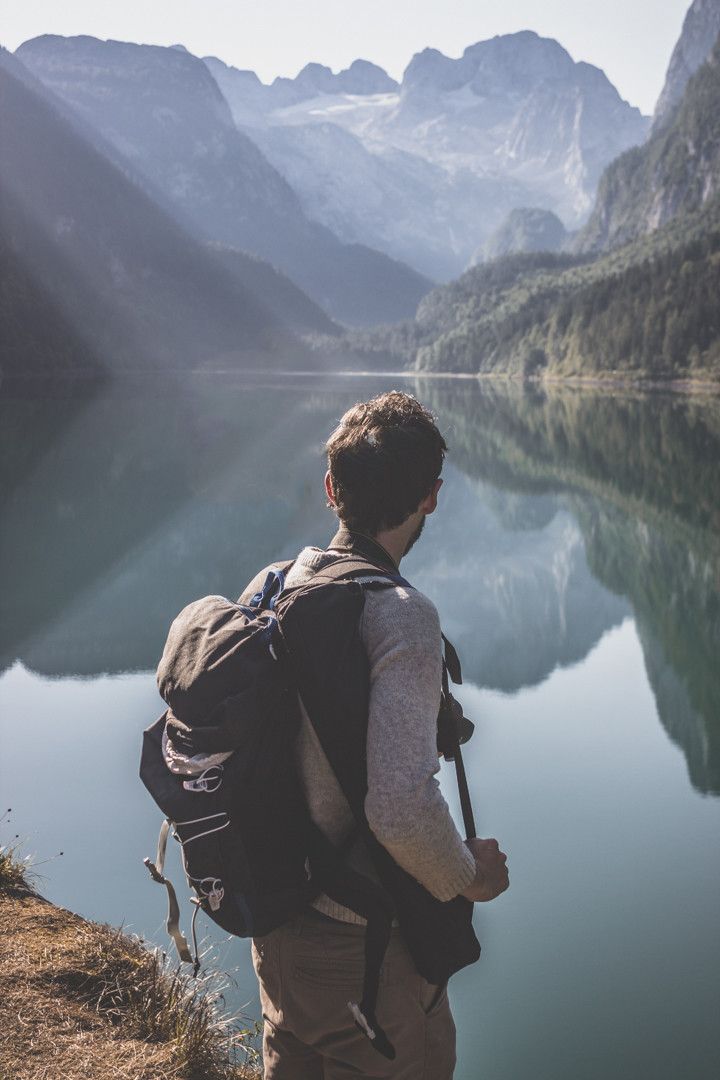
405	808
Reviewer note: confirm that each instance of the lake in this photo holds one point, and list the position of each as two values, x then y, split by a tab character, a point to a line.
575	562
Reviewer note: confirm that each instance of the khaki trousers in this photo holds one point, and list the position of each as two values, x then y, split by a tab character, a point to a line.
308	970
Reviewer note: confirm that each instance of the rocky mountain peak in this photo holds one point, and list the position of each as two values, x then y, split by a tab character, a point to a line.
516	62
430	70
363	77
315	77
699	33
102	81
360	78
509	62
103	60
244	74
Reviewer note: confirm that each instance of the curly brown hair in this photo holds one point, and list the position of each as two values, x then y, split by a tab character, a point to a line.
383	457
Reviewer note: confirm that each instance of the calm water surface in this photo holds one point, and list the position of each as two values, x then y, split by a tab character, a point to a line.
575	562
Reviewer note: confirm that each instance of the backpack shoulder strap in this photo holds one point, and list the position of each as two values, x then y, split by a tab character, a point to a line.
351	567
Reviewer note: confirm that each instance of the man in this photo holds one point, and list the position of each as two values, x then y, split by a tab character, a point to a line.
383	479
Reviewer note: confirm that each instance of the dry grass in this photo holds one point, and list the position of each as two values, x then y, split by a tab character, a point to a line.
13	871
79	1001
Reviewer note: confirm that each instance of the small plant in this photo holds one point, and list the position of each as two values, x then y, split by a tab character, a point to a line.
13	871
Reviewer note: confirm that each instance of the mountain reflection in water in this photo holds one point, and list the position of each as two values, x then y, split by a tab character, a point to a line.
567	512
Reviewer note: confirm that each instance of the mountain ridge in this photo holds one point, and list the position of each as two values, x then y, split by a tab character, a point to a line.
164	114
138	291
637	298
676	171
439	163
701	27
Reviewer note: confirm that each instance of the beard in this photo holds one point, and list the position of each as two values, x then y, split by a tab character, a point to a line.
415	536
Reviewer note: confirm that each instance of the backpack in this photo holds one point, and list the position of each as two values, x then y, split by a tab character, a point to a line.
250	851
242	821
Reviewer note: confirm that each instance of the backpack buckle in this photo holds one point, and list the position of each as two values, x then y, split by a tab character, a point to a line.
208	781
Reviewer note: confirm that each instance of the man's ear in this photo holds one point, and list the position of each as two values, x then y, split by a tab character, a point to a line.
429	503
329	490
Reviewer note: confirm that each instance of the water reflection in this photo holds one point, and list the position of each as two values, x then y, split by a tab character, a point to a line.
640	476
564	513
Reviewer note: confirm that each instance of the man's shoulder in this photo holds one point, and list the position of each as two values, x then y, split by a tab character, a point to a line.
401	610
403	605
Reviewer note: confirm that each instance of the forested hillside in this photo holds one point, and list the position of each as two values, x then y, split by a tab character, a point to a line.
650	309
647	308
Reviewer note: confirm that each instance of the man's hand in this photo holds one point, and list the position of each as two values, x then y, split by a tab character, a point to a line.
491	873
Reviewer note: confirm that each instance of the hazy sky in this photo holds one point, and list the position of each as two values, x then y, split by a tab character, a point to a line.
630	39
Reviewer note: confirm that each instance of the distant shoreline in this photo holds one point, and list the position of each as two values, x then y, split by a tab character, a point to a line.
616	381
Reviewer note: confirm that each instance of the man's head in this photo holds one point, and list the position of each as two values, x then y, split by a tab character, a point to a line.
384	463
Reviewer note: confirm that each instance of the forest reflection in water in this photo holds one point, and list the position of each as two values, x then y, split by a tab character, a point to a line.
566	511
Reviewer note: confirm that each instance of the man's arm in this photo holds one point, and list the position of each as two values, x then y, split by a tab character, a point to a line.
404	805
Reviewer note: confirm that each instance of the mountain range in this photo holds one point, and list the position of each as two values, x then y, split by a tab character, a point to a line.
161	117
158	210
95	269
427	169
638	295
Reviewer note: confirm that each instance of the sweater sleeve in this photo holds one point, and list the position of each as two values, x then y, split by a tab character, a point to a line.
404	805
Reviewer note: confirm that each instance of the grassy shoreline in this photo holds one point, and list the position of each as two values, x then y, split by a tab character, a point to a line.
83	1001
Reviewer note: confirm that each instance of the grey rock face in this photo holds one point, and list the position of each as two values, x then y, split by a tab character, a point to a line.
699	33
511	63
677	171
360	78
526	229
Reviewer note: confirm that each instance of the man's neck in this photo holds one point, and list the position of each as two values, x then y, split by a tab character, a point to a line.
393	543
370	546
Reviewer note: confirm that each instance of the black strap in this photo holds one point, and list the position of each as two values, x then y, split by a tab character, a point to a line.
342	884
360	894
453	661
369	900
465	803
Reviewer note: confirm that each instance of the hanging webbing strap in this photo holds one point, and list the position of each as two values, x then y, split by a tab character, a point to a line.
367	899
173	917
452	661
